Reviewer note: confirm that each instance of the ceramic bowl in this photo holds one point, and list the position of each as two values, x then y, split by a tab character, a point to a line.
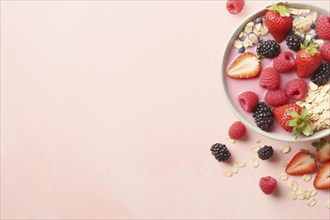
247	119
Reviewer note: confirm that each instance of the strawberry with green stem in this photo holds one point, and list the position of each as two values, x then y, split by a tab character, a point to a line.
308	59
322	150
293	118
278	20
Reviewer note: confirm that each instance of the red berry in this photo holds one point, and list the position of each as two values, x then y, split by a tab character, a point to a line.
323	27
284	62
269	78
248	100
276	97
325	51
236	130
235	6
267	184
296	89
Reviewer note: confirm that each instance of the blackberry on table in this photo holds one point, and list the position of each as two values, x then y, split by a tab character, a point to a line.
321	75
263	116
265	152
268	49
293	41
220	152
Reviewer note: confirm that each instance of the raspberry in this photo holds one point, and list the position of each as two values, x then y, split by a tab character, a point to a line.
296	89
284	62
235	6
236	130
269	78
325	51
276	97
267	184
248	100
323	27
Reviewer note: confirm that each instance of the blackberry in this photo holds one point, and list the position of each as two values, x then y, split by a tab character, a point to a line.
293	41
220	152
321	75
265	152
268	49
263	116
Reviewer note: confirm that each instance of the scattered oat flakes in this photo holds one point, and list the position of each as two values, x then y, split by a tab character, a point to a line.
285	149
307	177
258	141
240	163
313	192
228	173
255	163
311	202
283	176
230	140
293	195
255	148
284	164
328	204
234	168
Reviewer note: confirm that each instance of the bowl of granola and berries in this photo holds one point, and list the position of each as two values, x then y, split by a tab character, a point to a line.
276	72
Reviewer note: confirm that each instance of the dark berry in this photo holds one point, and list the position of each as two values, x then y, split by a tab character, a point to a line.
321	75
241	50
268	49
263	116
265	152
220	152
313	25
293	41
258	20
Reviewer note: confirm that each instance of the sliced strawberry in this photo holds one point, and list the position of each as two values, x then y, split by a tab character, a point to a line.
323	150
322	179
300	164
245	66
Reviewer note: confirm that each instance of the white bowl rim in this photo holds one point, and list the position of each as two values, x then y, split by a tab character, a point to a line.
279	137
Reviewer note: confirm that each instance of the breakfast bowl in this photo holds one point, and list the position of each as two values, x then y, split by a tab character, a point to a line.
233	87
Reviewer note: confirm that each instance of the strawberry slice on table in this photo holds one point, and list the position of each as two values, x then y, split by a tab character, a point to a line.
244	66
308	59
293	118
323	150
278	20
301	163
322	179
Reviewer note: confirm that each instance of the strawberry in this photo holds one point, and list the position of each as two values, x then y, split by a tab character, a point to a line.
245	65
323	150
301	163
308	59
293	118
278	21
322	179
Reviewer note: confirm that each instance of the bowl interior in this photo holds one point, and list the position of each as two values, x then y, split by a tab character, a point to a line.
245	117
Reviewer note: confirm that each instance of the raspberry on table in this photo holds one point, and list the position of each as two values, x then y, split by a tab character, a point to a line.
284	62
237	130
263	116
323	27
220	152
268	49
296	89
248	100
265	152
276	97
269	78
322	75
267	184
235	6
325	51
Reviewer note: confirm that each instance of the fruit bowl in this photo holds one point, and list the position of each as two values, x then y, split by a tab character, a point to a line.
233	87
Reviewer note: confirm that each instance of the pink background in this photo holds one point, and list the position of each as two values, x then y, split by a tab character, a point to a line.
109	109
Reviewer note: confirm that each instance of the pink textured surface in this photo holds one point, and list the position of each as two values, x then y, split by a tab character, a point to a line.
108	110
